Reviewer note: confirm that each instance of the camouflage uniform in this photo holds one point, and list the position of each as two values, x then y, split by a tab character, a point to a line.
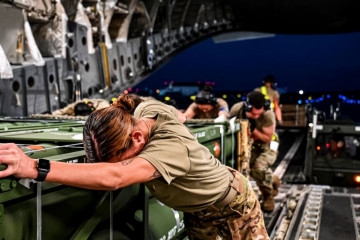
262	157
241	219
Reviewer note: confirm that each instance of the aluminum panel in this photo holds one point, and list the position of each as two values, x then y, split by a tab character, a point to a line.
13	94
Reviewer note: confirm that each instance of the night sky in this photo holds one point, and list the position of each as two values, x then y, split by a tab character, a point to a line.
309	62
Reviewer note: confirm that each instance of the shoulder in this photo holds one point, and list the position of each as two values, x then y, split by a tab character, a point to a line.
151	108
235	109
273	93
268	117
276	94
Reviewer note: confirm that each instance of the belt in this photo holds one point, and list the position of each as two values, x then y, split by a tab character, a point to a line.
229	194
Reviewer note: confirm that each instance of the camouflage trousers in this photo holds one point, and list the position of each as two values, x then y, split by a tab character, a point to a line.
241	219
260	162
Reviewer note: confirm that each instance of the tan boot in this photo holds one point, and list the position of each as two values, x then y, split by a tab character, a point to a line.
268	203
275	184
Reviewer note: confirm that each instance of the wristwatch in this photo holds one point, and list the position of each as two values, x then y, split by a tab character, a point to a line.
43	167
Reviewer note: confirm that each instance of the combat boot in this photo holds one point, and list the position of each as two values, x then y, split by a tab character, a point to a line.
275	184
268	203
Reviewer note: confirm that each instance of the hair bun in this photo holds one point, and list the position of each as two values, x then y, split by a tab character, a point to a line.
124	102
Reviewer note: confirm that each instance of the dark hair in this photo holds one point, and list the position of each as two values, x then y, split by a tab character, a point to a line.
205	97
269	78
84	108
208	88
256	99
107	131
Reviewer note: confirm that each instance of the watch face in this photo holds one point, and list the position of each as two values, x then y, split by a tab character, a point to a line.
44	164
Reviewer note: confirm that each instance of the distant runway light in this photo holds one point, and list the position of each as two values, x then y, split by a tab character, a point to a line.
238	95
224	96
301	92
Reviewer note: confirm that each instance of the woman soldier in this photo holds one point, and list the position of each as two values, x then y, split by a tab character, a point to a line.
155	148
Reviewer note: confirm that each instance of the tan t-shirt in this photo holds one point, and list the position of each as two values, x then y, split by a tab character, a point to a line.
266	119
214	113
273	94
192	178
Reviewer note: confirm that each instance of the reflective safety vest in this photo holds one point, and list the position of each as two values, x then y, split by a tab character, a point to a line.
265	93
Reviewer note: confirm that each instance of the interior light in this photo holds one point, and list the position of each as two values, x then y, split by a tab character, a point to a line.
357	178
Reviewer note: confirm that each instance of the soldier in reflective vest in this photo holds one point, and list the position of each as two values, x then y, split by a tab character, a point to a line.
265	143
268	89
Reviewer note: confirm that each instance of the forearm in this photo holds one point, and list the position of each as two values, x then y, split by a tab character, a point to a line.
97	176
278	114
258	135
189	113
181	116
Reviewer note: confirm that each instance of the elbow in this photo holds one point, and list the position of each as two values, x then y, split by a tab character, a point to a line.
113	182
112	186
268	139
187	116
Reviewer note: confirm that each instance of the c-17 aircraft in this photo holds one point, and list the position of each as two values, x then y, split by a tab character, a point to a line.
54	52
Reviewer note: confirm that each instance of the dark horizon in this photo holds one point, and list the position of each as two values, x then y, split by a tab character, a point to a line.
313	63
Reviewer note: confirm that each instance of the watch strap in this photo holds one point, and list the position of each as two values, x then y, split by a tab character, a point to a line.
43	168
